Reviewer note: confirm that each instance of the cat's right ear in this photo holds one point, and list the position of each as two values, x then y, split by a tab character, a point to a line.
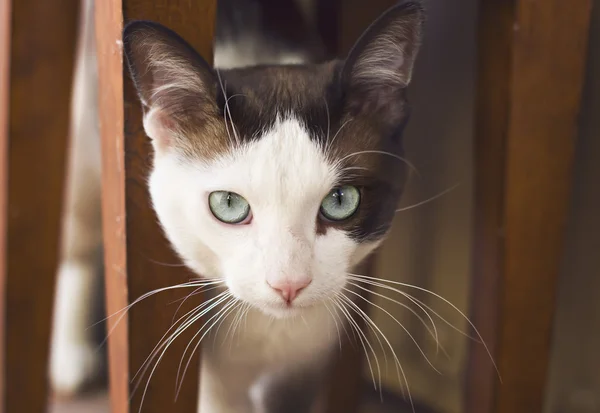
175	84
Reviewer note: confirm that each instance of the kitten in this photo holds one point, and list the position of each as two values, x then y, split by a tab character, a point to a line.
267	178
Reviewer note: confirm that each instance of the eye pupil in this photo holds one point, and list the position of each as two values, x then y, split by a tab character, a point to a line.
228	207
341	203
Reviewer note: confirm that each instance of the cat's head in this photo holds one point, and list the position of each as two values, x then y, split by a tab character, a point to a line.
277	179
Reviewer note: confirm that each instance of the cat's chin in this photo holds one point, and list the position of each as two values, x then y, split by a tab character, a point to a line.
283	311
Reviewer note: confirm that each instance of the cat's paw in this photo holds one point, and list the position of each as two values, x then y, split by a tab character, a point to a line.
73	367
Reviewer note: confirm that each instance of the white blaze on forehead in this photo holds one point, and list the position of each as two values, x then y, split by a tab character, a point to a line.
283	174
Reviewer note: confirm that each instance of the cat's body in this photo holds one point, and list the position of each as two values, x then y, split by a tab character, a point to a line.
265	181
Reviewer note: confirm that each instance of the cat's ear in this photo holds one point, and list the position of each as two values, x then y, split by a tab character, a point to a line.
176	85
379	66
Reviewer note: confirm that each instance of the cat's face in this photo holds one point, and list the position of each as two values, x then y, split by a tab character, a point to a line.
277	179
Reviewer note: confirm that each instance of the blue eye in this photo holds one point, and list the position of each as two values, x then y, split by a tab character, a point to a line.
228	207
340	203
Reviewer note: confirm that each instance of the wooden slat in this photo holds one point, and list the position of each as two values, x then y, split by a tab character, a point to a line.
134	243
531	59
37	45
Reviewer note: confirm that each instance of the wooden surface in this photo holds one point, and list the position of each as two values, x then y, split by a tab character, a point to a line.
531	64
135	246
37	44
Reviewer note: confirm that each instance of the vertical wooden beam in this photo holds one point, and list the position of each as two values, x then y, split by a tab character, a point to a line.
37	47
531	66
134	244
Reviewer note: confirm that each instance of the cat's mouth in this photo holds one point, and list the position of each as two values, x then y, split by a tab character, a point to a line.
283	309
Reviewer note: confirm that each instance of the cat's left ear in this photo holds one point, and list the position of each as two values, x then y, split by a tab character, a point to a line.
176	85
379	66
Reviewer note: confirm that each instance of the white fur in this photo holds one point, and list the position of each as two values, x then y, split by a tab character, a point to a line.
284	176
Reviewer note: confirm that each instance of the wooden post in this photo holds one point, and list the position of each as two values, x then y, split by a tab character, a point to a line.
137	255
37	47
531	67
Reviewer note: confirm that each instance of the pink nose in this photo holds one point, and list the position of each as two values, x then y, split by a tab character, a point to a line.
289	290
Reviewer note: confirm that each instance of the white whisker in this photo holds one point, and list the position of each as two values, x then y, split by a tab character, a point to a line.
363	339
393	155
222	314
418	303
337	327
399	368
193	293
225	111
401	326
433	198
335	308
165	264
191	318
166	346
124	310
445	301
433	333
330	144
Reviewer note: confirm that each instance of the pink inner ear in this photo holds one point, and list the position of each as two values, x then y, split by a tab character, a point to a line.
160	128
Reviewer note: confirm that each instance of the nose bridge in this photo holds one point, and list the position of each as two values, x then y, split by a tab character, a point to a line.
294	261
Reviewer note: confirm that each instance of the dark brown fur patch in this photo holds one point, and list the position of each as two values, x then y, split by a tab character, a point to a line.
315	96
356	110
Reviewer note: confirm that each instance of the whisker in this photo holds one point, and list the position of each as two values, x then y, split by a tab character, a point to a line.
445	301
399	368
193	293
393	155
362	315
433	333
420	304
191	318
433	198
166	346
363	339
225	311
337	327
234	325
235	132
165	264
216	332
225	111
351	168
328	124
124	310
330	145
401	326
223	301
352	342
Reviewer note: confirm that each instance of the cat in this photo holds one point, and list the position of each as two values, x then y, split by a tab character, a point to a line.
269	183
245	34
